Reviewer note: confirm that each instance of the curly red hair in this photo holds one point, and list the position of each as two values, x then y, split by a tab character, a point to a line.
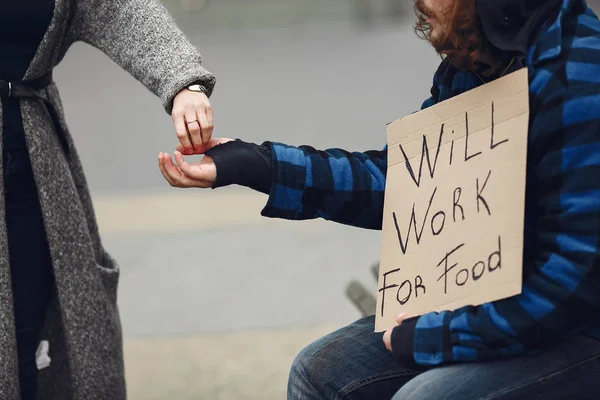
464	43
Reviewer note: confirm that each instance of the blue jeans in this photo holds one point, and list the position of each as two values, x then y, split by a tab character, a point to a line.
352	363
30	264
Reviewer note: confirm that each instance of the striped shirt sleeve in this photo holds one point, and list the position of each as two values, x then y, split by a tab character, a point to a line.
337	185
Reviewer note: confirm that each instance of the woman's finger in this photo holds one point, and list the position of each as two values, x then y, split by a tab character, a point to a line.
193	127
182	131
205	125
211	143
211	122
180	149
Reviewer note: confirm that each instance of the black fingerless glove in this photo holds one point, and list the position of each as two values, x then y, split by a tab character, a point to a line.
242	163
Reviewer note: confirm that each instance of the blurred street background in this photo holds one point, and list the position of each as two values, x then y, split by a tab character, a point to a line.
215	300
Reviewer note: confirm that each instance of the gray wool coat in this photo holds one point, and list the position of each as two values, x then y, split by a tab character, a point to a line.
83	325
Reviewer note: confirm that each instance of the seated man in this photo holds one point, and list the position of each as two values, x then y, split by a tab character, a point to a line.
541	344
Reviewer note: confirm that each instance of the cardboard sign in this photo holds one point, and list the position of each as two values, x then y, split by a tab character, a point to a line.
455	203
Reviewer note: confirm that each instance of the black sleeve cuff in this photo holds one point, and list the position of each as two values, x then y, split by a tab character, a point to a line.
242	163
402	343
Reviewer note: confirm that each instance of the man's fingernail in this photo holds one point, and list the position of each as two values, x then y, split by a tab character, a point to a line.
401	315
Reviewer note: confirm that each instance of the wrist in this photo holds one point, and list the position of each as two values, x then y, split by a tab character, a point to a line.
402	340
242	163
198	88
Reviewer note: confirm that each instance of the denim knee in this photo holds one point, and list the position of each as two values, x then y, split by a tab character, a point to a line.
304	383
326	368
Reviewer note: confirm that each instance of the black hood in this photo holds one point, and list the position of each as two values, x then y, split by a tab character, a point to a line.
510	24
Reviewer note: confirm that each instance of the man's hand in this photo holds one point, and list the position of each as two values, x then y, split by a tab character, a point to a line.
387	336
193	119
184	175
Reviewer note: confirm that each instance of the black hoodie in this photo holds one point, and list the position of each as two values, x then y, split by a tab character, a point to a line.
510	25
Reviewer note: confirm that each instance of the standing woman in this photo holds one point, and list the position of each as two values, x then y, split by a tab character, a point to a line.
57	282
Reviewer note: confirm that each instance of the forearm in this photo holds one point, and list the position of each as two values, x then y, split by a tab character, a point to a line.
142	38
334	184
242	163
304	183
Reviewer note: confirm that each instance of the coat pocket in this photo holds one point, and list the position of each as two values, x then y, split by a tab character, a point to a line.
109	272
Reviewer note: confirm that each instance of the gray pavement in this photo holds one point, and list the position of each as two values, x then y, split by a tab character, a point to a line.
238	278
216	300
249	365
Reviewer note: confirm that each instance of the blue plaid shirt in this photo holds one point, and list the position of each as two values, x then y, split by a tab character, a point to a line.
561	281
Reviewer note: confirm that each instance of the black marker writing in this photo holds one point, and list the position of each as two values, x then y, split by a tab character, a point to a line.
386	287
476	276
413	223
479	194
494	145
424	155
446	268
465	277
496	254
406	298
477	271
404	291
442	215
467	156
419	285
457	193
452	149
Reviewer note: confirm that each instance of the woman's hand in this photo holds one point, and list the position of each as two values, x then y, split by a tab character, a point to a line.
184	175
193	119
